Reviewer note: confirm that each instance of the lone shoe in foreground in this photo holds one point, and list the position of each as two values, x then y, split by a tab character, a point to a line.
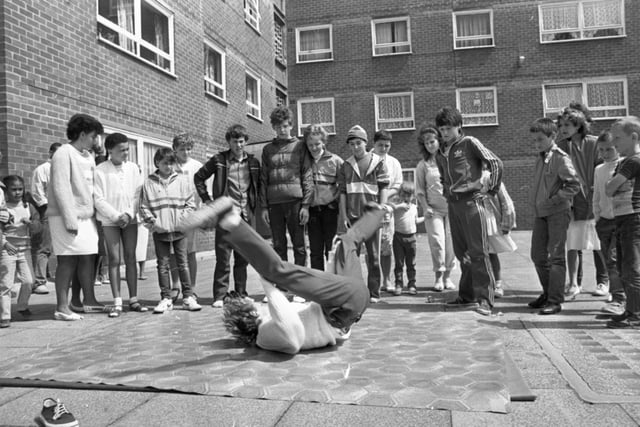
207	216
55	414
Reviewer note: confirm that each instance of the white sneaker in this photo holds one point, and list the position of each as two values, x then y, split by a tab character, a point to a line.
190	303
498	292
265	299
448	284
165	305
573	292
296	298
41	290
439	285
602	289
217	304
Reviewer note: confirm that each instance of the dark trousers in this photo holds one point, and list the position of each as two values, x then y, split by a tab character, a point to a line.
41	251
404	253
163	250
628	234
283	217
322	226
372	246
599	262
470	244
606	229
548	242
223	269
341	294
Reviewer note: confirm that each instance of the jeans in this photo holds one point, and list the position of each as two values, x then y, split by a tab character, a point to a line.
548	242
606	229
628	235
283	217
322	227
372	246
471	246
404	253
341	293
163	250
599	262
11	266
41	251
440	245
223	269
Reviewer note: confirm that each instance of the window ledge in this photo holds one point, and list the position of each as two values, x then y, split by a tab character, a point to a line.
391	54
216	98
137	58
258	119
474	47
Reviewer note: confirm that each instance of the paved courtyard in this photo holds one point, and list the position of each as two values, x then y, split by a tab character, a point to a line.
408	362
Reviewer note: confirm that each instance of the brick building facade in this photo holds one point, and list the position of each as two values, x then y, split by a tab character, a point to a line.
505	63
147	68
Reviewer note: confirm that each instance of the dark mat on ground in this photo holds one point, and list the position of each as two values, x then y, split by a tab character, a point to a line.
431	359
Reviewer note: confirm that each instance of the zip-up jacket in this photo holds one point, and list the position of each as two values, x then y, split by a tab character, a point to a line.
555	182
217	165
166	202
361	187
463	165
286	174
325	179
584	157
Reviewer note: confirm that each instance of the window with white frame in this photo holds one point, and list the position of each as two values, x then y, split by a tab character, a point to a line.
394	111
391	36
314	44
606	98
478	106
580	20
142	28
317	111
253	95
472	29
252	13
214	71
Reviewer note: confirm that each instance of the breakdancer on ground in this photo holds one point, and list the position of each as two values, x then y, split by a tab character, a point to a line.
336	298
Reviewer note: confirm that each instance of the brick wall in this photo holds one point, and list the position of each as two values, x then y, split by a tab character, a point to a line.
434	70
55	66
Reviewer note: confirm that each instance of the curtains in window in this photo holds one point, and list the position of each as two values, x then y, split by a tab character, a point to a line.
392	33
125	16
560	96
314	44
473	27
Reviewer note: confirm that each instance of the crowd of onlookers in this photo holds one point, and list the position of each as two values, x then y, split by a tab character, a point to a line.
583	198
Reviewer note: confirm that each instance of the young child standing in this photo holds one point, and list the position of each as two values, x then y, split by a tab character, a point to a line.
363	178
405	216
555	182
461	167
323	211
15	258
624	187
429	193
166	198
605	220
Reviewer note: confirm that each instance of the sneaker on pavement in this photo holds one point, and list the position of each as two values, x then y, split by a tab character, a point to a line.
573	292
439	285
190	303
5	323
413	290
55	414
602	290
498	292
41	289
398	291
217	304
627	320
165	305
615	308
448	284
484	308
374	300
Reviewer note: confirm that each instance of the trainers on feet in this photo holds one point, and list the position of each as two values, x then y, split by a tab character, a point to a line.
217	304
397	291
5	323
41	290
448	284
413	290
615	308
55	414
498	292
374	300
165	305
115	311
439	285
484	308
602	289
296	298
627	320
190	303
573	292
